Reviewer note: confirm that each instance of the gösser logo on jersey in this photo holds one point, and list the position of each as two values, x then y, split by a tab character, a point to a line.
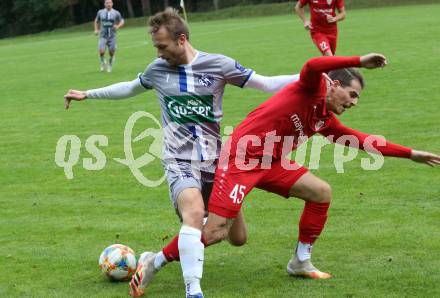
190	108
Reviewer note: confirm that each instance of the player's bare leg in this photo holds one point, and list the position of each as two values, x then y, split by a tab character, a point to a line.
217	228
150	263
237	235
191	249
102	59
317	196
111	60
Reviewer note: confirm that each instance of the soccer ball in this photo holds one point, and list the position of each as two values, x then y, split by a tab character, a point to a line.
118	262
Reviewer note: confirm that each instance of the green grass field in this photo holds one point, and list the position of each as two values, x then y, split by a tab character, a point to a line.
382	238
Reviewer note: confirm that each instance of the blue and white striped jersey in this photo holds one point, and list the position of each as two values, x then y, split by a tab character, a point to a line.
190	98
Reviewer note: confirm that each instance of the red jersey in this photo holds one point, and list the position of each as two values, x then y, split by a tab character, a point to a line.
298	112
319	9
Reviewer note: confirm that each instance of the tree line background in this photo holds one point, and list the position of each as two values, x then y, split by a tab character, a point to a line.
30	16
19	17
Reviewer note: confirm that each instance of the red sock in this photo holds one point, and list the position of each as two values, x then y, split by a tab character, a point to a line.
171	251
312	221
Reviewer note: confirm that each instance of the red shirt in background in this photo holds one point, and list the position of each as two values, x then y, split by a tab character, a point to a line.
319	9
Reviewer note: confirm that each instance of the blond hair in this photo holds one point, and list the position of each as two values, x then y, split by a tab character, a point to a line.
171	21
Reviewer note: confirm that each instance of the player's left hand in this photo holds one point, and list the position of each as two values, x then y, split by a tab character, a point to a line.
373	60
331	19
428	158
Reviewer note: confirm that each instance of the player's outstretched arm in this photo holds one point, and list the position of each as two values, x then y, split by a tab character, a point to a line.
336	130
116	91
270	84
428	158
363	141
373	60
313	69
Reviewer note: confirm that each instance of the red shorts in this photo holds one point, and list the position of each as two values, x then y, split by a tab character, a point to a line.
231	185
325	41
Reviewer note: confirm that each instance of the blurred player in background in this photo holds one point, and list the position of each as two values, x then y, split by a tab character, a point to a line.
107	22
322	26
190	86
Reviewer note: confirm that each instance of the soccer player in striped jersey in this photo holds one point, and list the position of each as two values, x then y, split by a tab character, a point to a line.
107	22
190	86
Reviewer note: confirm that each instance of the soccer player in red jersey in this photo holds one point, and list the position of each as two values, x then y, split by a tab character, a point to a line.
277	127
322	26
256	153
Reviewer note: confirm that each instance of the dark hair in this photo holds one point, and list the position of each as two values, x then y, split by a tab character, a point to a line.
346	75
170	19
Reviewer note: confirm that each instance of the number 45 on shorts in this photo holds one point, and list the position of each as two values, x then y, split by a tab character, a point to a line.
237	194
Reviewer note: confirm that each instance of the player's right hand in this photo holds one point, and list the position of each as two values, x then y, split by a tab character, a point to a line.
73	95
96	32
308	25
330	19
373	60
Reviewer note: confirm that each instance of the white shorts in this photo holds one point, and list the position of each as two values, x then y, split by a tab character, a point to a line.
107	42
183	174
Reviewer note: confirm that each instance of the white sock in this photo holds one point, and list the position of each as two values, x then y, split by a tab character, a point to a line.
303	251
160	260
191	250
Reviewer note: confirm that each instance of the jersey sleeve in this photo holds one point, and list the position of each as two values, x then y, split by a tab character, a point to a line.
98	16
367	142
233	72
304	2
311	72
270	84
118	18
145	78
340	4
